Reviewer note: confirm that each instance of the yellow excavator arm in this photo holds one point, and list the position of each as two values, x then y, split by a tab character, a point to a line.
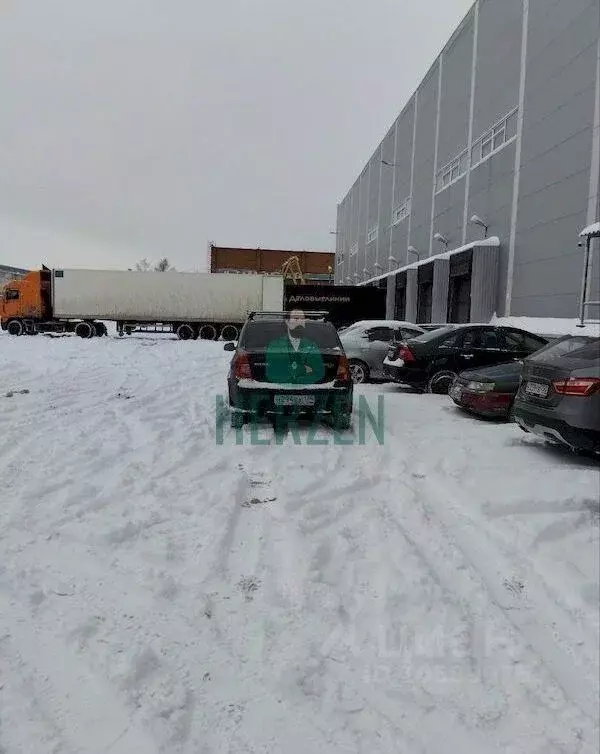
291	270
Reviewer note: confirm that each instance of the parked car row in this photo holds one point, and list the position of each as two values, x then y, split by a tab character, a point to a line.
432	361
289	363
549	387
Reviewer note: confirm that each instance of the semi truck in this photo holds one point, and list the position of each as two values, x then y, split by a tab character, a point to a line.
191	305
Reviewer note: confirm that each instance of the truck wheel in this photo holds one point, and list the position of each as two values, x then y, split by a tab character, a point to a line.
100	329
208	332
185	332
84	330
230	332
15	327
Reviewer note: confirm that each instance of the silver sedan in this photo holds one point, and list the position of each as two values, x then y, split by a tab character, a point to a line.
367	342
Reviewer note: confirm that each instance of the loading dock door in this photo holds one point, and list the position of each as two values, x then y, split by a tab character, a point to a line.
425	294
459	289
400	301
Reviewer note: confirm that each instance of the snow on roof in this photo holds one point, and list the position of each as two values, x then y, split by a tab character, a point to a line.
591	230
382	323
493	241
549	326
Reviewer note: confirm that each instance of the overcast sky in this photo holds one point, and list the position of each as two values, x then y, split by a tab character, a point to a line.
132	128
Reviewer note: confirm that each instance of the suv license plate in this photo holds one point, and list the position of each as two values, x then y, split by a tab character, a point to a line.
536	388
294	400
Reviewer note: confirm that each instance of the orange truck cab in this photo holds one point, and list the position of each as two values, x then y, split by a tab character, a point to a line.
25	302
26	308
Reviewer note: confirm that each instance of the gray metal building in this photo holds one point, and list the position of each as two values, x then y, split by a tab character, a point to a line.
505	126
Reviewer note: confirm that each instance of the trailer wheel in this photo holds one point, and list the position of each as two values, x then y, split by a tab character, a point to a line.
100	329
230	332
15	327
185	332
84	330
208	332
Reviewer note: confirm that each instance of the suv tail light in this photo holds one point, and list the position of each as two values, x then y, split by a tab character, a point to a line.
582	386
405	353
242	368
343	370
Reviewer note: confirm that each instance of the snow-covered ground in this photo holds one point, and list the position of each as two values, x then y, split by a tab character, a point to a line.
550	326
162	592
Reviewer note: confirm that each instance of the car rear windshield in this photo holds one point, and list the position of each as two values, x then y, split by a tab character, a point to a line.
427	337
257	335
590	352
565	346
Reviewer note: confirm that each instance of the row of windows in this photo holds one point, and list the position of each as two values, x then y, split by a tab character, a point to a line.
499	135
453	171
401	212
492	141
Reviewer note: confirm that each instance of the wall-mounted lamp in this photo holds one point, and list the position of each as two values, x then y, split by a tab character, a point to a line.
476	220
442	239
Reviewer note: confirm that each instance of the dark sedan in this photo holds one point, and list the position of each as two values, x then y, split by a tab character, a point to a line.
488	392
559	396
433	361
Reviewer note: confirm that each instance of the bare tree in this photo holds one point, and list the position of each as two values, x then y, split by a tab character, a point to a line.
143	265
163	266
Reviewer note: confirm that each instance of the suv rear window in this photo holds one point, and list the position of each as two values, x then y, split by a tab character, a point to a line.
257	335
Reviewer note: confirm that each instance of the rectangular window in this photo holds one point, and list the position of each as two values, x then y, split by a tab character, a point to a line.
453	171
499	136
494	139
401	212
372	234
486	147
511	125
353	250
11	294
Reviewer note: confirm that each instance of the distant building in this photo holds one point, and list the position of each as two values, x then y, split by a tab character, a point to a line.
501	139
10	273
317	266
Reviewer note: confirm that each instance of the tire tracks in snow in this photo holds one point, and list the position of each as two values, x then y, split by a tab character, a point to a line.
545	629
88	714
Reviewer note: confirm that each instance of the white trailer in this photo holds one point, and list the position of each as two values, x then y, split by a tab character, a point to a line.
192	305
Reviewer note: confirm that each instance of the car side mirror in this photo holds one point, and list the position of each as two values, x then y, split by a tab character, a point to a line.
229	347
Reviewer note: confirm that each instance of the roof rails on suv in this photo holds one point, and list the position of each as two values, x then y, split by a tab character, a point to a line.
307	315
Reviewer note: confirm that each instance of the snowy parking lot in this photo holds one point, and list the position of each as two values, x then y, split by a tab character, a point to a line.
163	591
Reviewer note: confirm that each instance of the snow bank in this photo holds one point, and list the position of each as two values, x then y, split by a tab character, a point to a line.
549	326
591	230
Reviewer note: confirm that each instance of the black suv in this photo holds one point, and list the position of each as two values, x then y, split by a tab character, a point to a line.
289	364
432	361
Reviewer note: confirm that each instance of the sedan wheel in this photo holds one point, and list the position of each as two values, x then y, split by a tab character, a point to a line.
440	383
359	372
